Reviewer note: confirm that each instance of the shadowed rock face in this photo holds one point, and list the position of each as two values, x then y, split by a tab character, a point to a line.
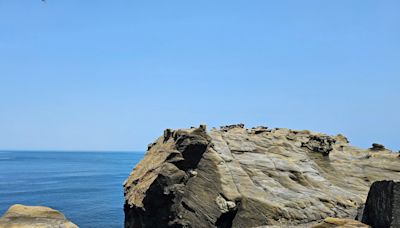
157	185
382	208
20	216
238	177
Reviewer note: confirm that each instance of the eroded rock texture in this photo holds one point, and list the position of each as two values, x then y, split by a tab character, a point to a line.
21	216
382	208
238	177
340	223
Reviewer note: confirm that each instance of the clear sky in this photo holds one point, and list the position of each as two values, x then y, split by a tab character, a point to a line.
111	75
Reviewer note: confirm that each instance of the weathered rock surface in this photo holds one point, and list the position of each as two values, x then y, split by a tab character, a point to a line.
337	222
382	208
238	177
377	147
20	216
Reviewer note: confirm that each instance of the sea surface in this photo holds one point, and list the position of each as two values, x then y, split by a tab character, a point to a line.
85	186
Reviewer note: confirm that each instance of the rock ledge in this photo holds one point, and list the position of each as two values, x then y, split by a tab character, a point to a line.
20	216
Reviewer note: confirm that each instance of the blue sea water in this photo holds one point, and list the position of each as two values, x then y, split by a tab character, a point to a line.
85	186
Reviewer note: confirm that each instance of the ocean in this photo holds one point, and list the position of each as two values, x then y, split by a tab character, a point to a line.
85	186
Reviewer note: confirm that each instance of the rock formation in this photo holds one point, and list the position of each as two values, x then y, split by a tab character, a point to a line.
20	216
337	222
238	177
377	147
382	208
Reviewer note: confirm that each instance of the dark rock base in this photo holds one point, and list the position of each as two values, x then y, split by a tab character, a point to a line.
382	208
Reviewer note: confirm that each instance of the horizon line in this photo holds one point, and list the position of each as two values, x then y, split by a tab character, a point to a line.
73	151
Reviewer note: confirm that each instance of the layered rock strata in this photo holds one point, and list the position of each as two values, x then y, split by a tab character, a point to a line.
340	223
238	177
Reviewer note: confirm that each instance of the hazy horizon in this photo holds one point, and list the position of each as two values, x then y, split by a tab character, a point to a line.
77	151
110	76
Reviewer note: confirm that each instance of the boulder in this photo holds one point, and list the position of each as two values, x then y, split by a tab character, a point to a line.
377	147
238	177
382	208
320	144
21	216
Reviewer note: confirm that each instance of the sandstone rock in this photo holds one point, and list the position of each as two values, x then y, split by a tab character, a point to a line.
238	177
341	138
377	147
382	208
20	216
343	223
228	127
318	143
259	129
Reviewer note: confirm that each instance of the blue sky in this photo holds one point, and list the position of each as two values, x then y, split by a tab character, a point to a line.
111	75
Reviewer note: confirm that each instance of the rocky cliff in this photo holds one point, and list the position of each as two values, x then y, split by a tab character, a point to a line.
20	216
238	177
